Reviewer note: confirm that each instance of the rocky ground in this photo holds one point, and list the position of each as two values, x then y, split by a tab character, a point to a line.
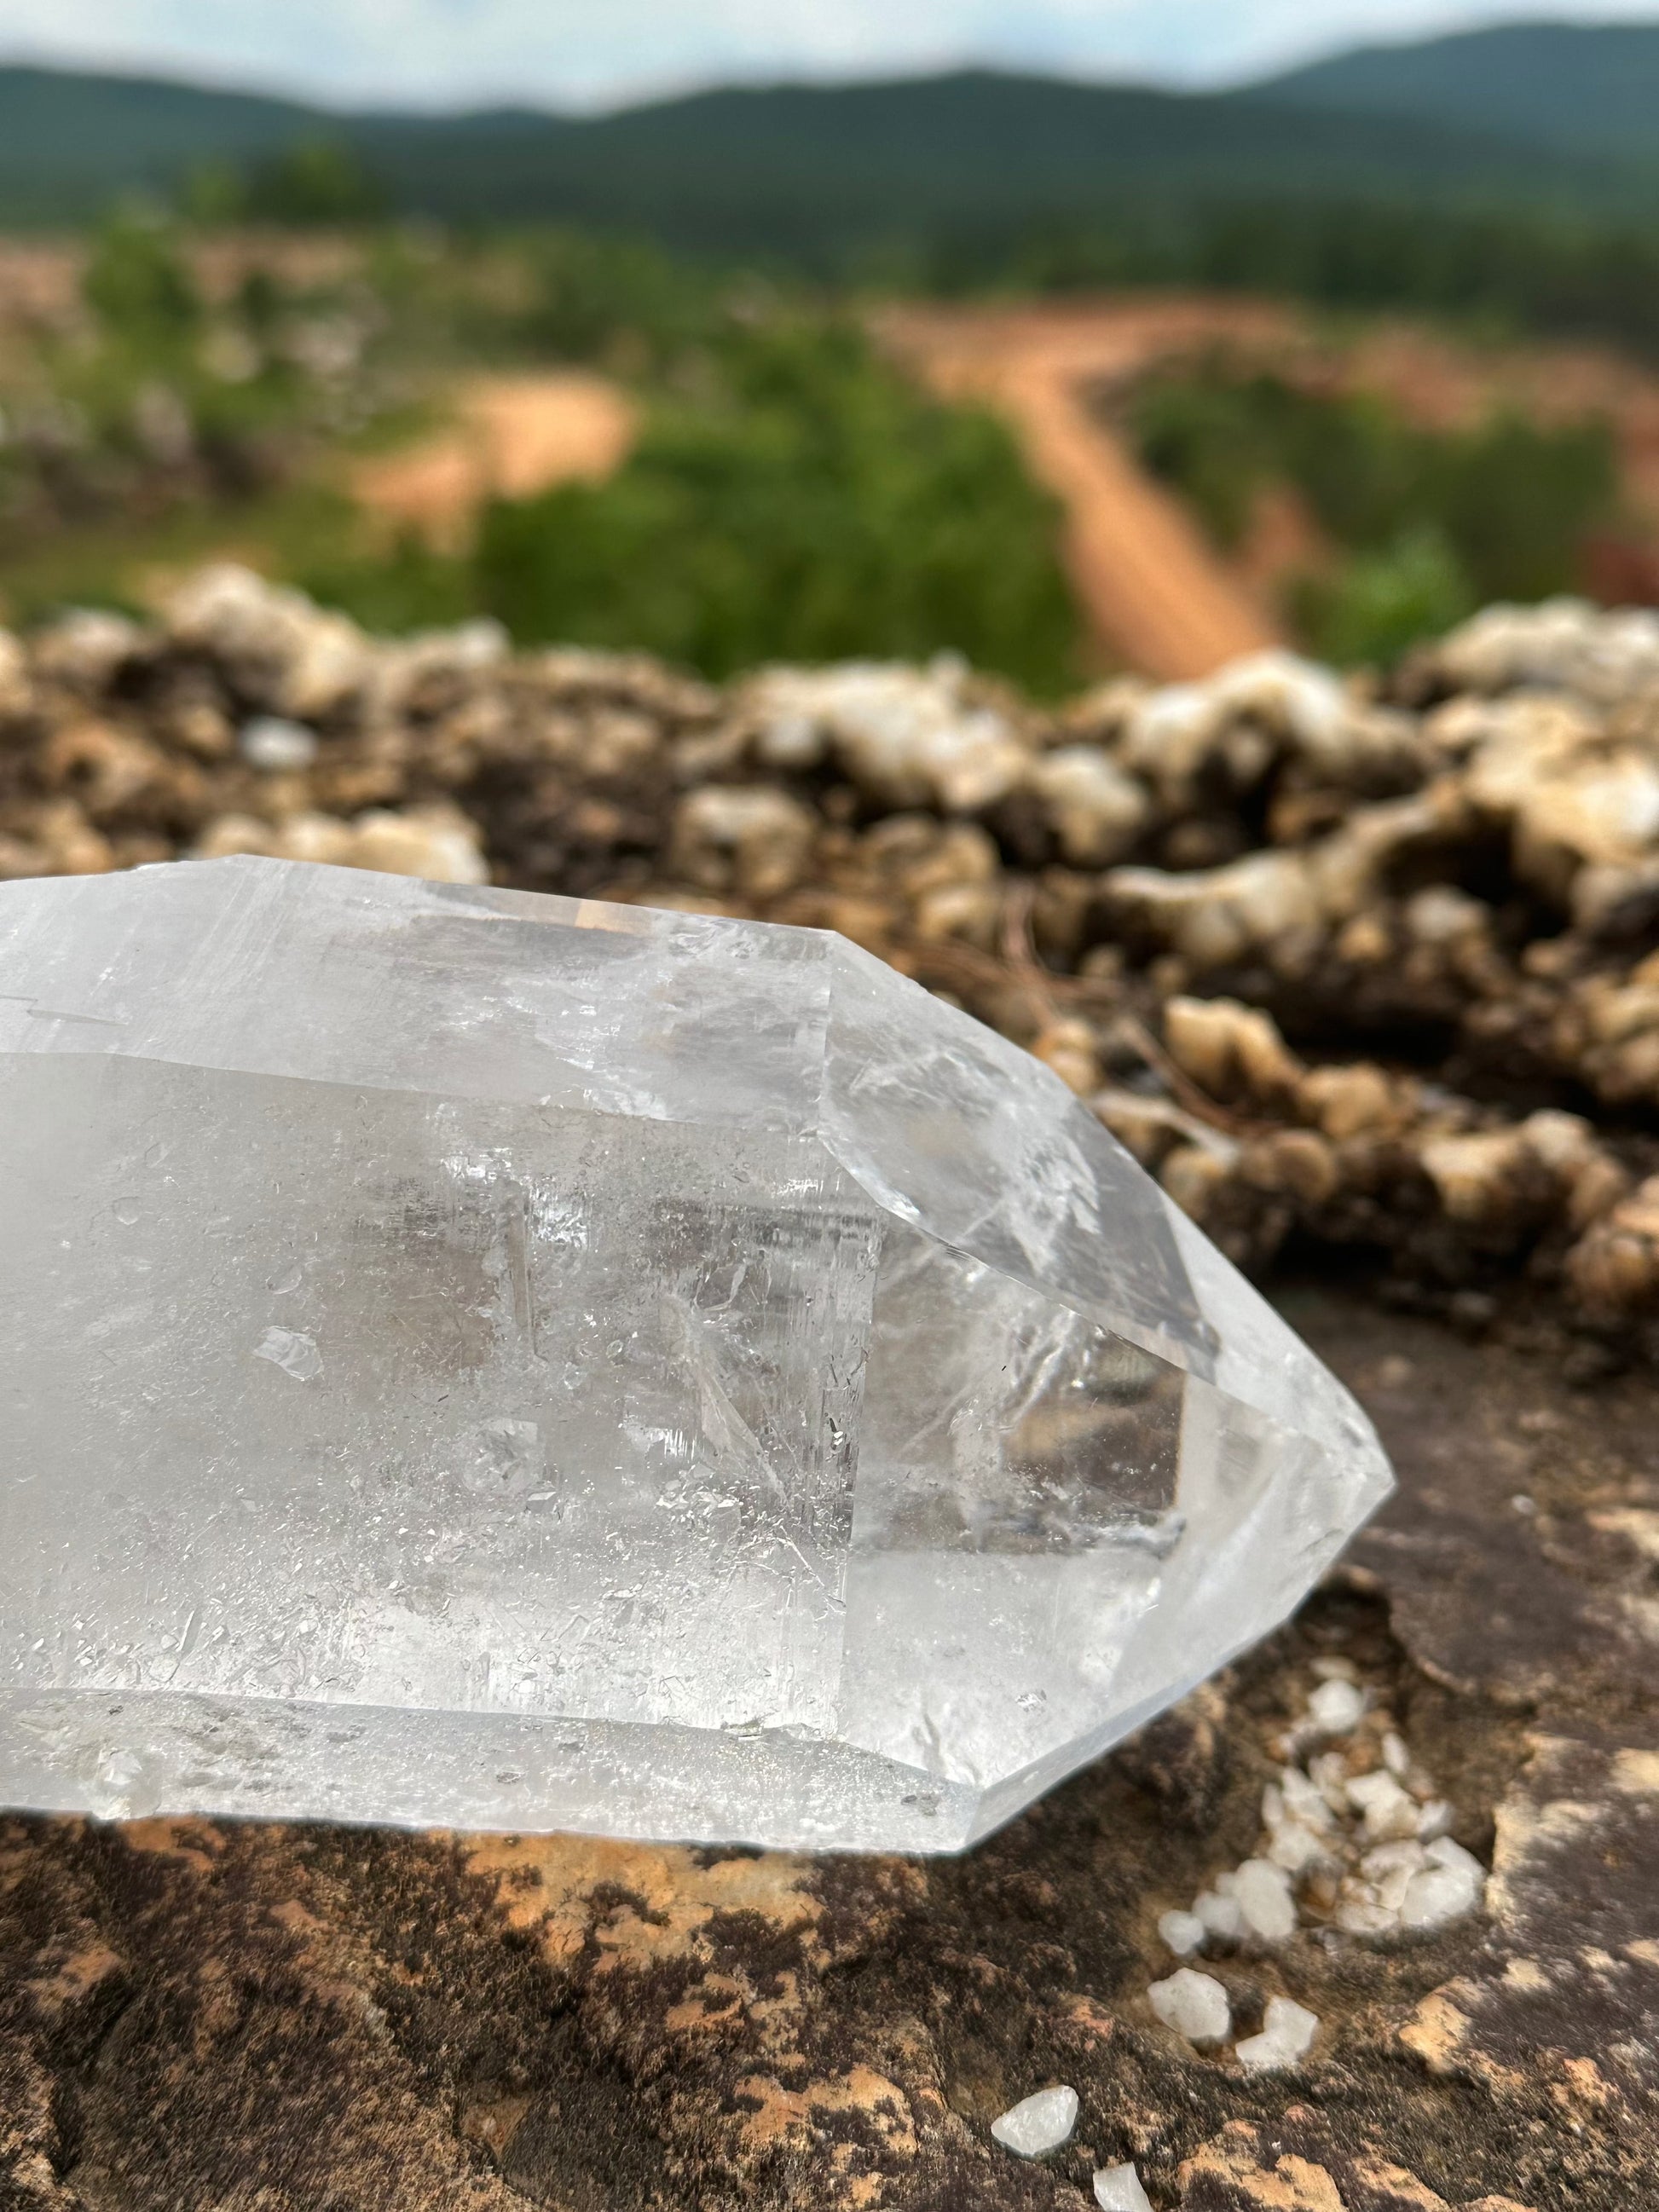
1367	978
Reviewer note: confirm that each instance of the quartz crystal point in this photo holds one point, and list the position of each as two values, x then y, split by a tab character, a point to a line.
476	1358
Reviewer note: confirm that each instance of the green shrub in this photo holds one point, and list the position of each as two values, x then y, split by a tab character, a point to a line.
1202	434
406	587
811	505
616	300
1516	499
1435	519
138	289
1381	603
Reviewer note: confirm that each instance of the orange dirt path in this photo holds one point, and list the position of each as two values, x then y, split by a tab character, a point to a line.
513	437
1154	590
1156	594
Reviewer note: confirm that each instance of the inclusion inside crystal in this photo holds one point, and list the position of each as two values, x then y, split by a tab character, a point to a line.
496	1361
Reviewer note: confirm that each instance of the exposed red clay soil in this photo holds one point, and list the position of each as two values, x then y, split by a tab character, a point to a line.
511	437
1156	594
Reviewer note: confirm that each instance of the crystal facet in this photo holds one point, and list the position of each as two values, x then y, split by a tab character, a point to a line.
477	1358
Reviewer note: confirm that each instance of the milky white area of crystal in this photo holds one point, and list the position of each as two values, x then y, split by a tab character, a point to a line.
475	1359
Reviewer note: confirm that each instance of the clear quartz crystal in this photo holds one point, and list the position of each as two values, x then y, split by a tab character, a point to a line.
476	1358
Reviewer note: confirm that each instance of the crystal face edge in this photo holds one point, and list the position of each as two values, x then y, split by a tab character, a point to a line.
279	968
134	1756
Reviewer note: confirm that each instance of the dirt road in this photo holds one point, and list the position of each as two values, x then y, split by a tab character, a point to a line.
1155	592
511	437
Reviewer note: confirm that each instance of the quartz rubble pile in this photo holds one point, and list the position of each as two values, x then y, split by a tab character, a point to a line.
1356	1845
1355	1837
1348	965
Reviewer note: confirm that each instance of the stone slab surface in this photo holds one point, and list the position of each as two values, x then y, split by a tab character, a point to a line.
199	2017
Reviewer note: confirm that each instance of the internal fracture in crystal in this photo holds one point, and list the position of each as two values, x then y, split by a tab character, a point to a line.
474	1359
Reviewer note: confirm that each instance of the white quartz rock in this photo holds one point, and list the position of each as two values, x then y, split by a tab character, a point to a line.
1262	1892
1360	1913
1038	2124
1450	1887
475	1359
1434	1820
1218	1912
1388	1813
1302	1801
1336	1707
275	746
1391	1869
1184	1932
1117	2189
1287	2032
1301	1839
1195	2005
1328	1772
1297	1851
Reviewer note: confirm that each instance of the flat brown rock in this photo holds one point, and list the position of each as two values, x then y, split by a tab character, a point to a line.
202	2017
1444	897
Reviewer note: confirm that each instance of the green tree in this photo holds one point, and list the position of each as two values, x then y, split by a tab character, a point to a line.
1516	499
315	182
137	287
596	298
213	194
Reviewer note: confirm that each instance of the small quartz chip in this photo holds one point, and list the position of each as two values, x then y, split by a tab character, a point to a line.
1287	2032
1262	1892
1037	2123
1117	2189
1195	2005
276	745
1388	1813
1337	1707
1450	1888
1218	1912
1184	1932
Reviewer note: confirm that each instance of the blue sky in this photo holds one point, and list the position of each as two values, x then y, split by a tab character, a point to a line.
588	52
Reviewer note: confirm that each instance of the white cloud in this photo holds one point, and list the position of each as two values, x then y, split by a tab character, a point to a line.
445	52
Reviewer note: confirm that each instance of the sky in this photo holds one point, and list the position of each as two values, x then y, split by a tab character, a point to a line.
587	54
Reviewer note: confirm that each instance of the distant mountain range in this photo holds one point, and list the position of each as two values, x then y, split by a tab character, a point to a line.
1584	88
1538	114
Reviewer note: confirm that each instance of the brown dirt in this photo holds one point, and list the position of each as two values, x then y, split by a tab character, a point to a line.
38	278
511	436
